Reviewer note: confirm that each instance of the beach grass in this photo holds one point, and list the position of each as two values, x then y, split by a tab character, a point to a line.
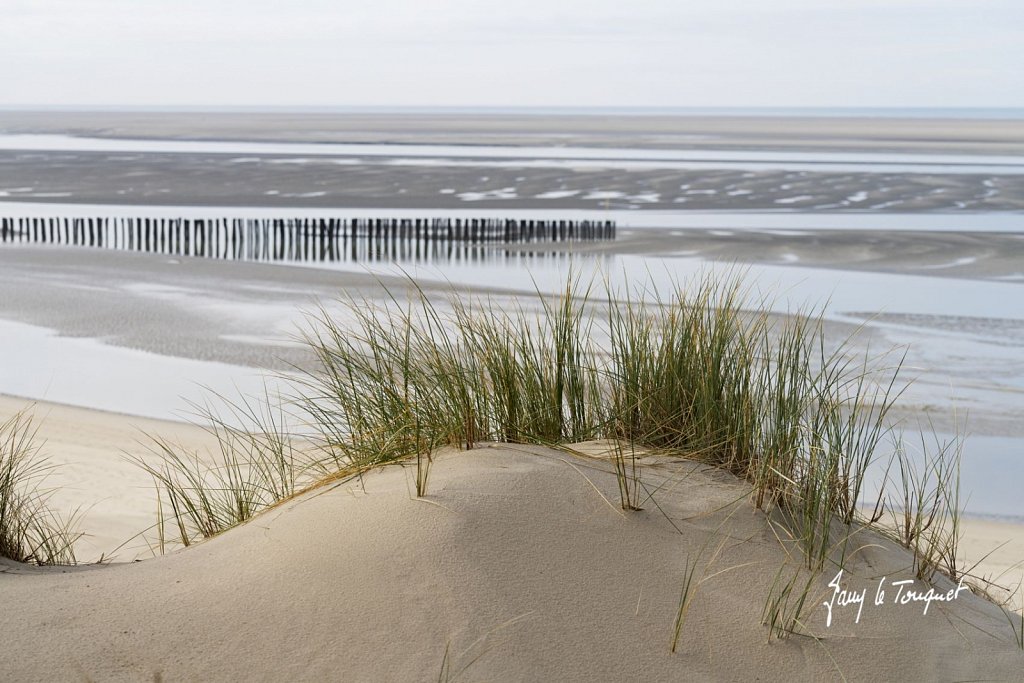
702	372
424	461
926	512
1017	625
686	594
628	473
29	530
258	465
786	603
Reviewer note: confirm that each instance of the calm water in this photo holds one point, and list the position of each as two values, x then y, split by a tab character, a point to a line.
991	473
959	367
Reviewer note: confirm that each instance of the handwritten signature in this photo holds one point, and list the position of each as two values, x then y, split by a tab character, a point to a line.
904	595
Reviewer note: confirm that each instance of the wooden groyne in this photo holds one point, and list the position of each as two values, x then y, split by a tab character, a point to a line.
300	239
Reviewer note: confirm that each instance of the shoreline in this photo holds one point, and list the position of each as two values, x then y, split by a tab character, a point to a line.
125	330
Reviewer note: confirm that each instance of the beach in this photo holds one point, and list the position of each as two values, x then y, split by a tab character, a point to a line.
94	475
512	560
231	326
458	161
228	326
111	316
364	577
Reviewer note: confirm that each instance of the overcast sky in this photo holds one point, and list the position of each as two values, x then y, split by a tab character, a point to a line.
674	53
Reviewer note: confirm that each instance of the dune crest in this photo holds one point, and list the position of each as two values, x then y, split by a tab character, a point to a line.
517	565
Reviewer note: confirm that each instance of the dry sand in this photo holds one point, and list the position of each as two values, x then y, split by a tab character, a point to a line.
998	549
518	564
117	502
115	498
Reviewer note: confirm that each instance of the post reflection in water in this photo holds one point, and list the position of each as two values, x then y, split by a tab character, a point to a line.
312	240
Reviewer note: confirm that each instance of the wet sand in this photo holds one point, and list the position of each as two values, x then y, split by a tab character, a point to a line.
239	313
653	131
243	180
351	181
973	256
249	314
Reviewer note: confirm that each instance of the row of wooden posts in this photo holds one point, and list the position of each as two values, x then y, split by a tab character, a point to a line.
296	238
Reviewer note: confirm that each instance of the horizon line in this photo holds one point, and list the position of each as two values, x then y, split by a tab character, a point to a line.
1012	112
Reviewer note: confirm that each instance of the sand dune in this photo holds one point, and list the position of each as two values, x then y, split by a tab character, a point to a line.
518	565
114	497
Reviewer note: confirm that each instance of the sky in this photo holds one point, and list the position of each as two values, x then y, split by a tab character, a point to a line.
534	53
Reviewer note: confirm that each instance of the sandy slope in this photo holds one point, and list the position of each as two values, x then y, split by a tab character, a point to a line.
998	549
114	497
516	563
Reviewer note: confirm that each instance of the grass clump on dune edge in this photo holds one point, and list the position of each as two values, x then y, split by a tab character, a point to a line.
29	530
258	464
701	373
